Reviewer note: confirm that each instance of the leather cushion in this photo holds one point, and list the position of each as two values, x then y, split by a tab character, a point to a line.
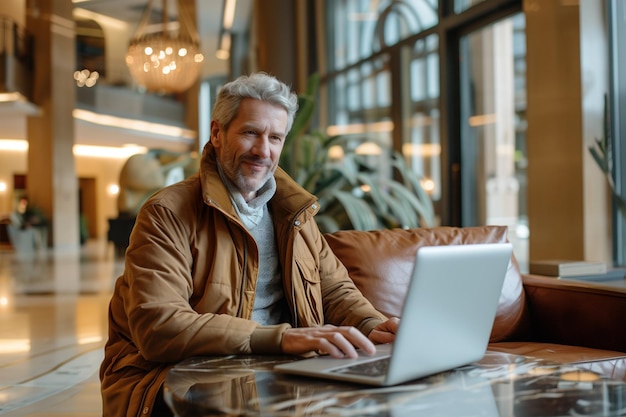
381	261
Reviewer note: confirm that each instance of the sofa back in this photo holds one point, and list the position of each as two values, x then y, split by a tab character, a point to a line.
381	261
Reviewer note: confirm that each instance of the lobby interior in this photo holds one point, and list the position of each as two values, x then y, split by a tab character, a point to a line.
53	302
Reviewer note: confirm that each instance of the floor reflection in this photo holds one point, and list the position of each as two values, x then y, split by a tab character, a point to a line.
53	325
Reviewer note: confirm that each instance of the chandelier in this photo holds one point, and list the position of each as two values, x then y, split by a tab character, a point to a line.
165	61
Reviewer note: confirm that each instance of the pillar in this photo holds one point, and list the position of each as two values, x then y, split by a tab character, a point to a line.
276	48
51	182
566	198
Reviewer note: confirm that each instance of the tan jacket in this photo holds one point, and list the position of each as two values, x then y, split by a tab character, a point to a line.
189	282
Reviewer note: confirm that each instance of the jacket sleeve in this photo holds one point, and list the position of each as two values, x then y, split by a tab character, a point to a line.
156	298
343	302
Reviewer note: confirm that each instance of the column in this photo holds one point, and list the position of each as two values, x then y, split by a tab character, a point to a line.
567	211
275	43
51	182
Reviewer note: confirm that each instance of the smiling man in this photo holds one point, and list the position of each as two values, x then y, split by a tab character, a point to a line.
230	261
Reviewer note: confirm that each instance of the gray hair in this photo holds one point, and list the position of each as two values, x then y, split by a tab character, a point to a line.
259	86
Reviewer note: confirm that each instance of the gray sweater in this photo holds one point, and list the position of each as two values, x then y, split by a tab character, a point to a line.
269	301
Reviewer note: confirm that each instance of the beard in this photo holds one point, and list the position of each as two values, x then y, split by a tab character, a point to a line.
248	183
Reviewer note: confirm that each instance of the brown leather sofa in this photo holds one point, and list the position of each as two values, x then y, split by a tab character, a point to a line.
564	321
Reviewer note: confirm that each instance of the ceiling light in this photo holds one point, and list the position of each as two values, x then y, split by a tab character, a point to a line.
165	62
225	39
86	78
108	151
6	97
20	145
13	145
142	126
228	17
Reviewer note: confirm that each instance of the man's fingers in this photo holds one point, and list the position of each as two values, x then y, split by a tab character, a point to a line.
336	349
378	336
360	341
385	332
348	339
334	343
338	342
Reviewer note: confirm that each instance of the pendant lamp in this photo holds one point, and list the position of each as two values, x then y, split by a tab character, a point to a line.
165	61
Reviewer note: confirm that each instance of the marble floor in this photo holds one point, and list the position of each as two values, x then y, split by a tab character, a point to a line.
53	324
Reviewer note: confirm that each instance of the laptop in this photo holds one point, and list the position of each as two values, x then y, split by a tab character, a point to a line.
446	321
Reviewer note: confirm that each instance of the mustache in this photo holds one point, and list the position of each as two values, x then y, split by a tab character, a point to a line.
256	160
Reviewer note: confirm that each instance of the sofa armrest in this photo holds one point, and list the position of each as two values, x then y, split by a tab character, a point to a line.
576	312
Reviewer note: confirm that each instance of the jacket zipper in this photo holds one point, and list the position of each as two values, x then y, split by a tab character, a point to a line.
243	275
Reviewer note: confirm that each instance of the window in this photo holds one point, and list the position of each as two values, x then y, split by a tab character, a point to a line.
360	28
493	145
405	77
461	5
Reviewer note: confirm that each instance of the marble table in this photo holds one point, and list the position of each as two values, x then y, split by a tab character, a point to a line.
499	385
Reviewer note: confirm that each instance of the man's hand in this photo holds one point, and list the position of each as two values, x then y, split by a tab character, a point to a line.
385	332
338	342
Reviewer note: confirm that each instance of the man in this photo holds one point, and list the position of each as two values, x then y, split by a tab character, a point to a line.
230	261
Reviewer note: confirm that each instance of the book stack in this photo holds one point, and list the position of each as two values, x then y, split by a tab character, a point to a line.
576	270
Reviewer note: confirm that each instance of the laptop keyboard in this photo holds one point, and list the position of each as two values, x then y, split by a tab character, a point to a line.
376	367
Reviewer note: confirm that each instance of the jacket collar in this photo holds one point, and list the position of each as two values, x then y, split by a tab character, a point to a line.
289	200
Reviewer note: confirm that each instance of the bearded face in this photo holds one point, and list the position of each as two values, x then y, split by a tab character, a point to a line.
249	150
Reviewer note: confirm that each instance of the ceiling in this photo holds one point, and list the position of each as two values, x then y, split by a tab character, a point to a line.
208	18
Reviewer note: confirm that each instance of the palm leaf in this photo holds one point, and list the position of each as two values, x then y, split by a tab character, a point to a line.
359	212
406	195
601	160
404	213
427	211
378	196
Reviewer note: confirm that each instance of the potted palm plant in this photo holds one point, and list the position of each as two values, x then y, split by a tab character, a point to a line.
352	193
602	153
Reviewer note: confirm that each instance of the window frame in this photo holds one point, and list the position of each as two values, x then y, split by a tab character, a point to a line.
617	114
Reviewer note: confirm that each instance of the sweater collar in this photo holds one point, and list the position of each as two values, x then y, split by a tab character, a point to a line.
250	212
